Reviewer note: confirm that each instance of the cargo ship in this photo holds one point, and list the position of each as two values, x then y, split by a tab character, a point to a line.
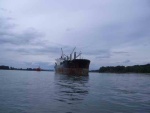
72	66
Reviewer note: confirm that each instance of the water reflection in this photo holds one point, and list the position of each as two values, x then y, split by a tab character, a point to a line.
71	89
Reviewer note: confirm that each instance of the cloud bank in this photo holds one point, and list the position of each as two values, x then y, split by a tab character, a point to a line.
107	32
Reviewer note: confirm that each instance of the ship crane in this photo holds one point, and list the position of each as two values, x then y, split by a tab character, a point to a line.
78	55
71	53
62	55
66	57
73	50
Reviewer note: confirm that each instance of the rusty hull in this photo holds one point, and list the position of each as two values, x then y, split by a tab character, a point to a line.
73	71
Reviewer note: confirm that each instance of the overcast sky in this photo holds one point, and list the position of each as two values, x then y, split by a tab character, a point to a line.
108	32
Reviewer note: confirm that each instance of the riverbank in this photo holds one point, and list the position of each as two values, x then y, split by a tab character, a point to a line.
21	69
124	69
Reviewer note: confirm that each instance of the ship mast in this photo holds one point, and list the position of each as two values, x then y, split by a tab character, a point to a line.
79	55
71	53
62	55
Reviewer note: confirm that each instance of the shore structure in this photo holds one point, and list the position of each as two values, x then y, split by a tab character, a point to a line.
72	66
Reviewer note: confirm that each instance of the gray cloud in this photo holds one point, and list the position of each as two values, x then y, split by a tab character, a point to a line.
97	52
103	56
24	38
127	61
120	52
35	51
8	35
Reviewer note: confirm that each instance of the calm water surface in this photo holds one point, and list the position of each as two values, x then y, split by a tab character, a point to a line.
47	92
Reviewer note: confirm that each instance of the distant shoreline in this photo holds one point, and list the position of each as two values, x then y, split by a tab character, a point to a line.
118	72
124	69
108	69
3	67
24	70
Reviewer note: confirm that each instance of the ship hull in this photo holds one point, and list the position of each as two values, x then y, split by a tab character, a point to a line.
72	71
74	67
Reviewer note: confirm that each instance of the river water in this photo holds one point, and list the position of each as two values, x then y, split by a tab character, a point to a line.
47	92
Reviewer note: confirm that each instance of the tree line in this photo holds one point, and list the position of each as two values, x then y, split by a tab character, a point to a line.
125	69
2	67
